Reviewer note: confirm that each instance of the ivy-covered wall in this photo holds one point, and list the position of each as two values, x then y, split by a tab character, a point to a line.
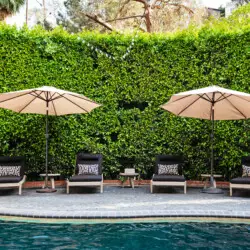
131	75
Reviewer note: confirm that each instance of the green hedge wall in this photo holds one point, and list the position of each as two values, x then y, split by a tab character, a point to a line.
131	75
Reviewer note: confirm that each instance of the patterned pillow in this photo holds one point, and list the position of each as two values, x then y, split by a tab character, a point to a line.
10	170
168	169
246	171
91	169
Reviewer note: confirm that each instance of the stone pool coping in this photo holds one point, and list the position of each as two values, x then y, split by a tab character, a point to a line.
125	220
125	203
133	215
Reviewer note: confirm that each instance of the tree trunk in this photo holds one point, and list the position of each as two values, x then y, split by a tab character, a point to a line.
147	14
27	9
44	13
147	19
3	14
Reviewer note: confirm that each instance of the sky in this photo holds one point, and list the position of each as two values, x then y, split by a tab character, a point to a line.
19	18
215	3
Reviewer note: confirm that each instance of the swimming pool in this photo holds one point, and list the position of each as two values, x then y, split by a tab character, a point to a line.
14	235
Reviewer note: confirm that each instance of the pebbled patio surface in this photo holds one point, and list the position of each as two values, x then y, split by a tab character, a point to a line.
118	202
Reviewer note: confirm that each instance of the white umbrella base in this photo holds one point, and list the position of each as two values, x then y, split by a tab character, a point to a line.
46	190
212	190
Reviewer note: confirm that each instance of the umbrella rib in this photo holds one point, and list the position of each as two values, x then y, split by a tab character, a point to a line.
236	108
83	97
190	104
76	104
51	97
38	96
14	97
242	98
57	97
208	99
222	97
200	96
34	93
211	111
80	97
53	105
182	97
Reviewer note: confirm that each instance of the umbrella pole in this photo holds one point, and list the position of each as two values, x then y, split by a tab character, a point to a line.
212	142
46	189
212	189
212	181
47	142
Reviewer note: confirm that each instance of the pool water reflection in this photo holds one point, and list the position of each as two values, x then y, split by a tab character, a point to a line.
14	235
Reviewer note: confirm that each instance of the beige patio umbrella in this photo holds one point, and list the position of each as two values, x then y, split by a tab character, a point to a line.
210	103
47	101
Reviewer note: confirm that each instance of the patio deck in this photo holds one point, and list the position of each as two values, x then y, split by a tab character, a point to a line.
118	202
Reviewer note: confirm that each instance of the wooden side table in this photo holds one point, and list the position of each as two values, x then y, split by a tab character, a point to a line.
207	176
130	174
51	177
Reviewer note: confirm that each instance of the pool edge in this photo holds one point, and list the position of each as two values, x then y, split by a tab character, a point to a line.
126	220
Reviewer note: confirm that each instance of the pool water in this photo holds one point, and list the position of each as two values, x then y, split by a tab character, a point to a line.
172	236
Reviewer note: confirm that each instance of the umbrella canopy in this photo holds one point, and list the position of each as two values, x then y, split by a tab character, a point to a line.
47	101
211	103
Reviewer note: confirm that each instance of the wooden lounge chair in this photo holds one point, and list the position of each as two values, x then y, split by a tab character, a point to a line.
168	172
88	171
244	181
12	172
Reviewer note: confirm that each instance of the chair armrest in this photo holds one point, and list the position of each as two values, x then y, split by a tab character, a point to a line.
23	180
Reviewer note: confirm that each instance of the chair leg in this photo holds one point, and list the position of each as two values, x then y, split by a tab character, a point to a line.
67	187
20	190
185	188
101	188
231	191
151	187
52	182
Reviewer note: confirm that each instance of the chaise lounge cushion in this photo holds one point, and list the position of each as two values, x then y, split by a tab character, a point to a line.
85	177
10	179
90	160
241	180
175	162
88	169
177	178
167	169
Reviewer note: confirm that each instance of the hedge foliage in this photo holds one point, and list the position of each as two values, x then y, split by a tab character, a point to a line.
131	75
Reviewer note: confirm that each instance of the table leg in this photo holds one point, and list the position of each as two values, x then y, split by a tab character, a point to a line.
206	182
123	182
52	182
214	183
133	184
131	179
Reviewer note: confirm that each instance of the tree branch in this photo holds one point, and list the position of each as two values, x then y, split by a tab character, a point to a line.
182	6
99	20
121	9
123	18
